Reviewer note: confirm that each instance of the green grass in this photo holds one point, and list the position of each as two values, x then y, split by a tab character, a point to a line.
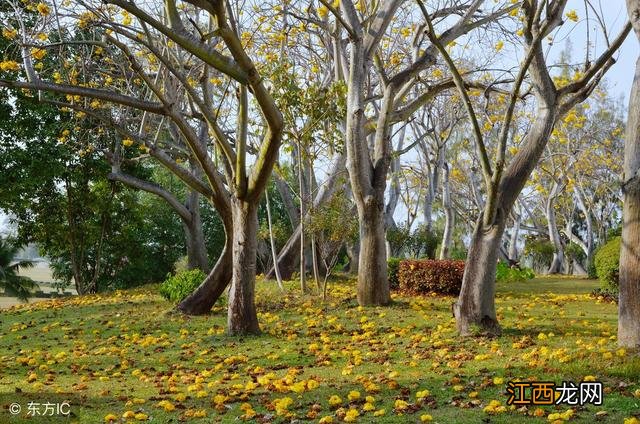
101	352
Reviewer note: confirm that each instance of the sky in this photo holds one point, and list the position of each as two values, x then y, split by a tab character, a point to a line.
620	76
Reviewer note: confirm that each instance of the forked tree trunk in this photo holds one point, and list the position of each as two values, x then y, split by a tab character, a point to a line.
373	287
475	308
476	305
629	303
242	317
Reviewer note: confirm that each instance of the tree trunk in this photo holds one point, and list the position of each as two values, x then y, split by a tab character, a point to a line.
554	235
353	252
513	240
629	302
205	296
290	254
242	317
272	242
373	287
476	305
449	215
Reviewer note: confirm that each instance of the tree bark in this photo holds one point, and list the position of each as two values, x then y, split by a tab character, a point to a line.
476	304
373	287
205	296
513	240
629	301
194	235
557	263
242	317
449	215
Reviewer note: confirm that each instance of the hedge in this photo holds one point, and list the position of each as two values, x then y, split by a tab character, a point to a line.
431	276
392	272
607	263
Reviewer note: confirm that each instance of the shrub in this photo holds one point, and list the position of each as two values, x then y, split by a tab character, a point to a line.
607	261
392	272
429	275
508	274
182	284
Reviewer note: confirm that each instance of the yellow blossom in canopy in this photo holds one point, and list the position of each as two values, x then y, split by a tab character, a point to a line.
43	9
499	45
38	53
9	65
9	33
572	16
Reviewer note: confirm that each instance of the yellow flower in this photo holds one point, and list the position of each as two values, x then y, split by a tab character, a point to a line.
326	420
426	418
589	378
335	400
351	415
353	395
632	420
168	406
422	394
572	15
9	33
9	65
401	405
379	412
43	9
128	414
499	45
141	416
498	380
109	418
127	142
38	53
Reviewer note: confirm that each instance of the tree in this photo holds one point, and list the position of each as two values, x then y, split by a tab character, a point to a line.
13	283
629	303
163	51
366	24
504	180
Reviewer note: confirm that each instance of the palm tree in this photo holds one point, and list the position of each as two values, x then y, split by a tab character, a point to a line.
13	283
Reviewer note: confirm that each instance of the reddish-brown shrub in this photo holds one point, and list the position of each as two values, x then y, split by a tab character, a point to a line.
427	275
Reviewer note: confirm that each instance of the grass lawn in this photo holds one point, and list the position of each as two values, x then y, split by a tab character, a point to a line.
124	354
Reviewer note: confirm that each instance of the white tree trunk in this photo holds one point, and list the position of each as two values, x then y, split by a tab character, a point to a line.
449	215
